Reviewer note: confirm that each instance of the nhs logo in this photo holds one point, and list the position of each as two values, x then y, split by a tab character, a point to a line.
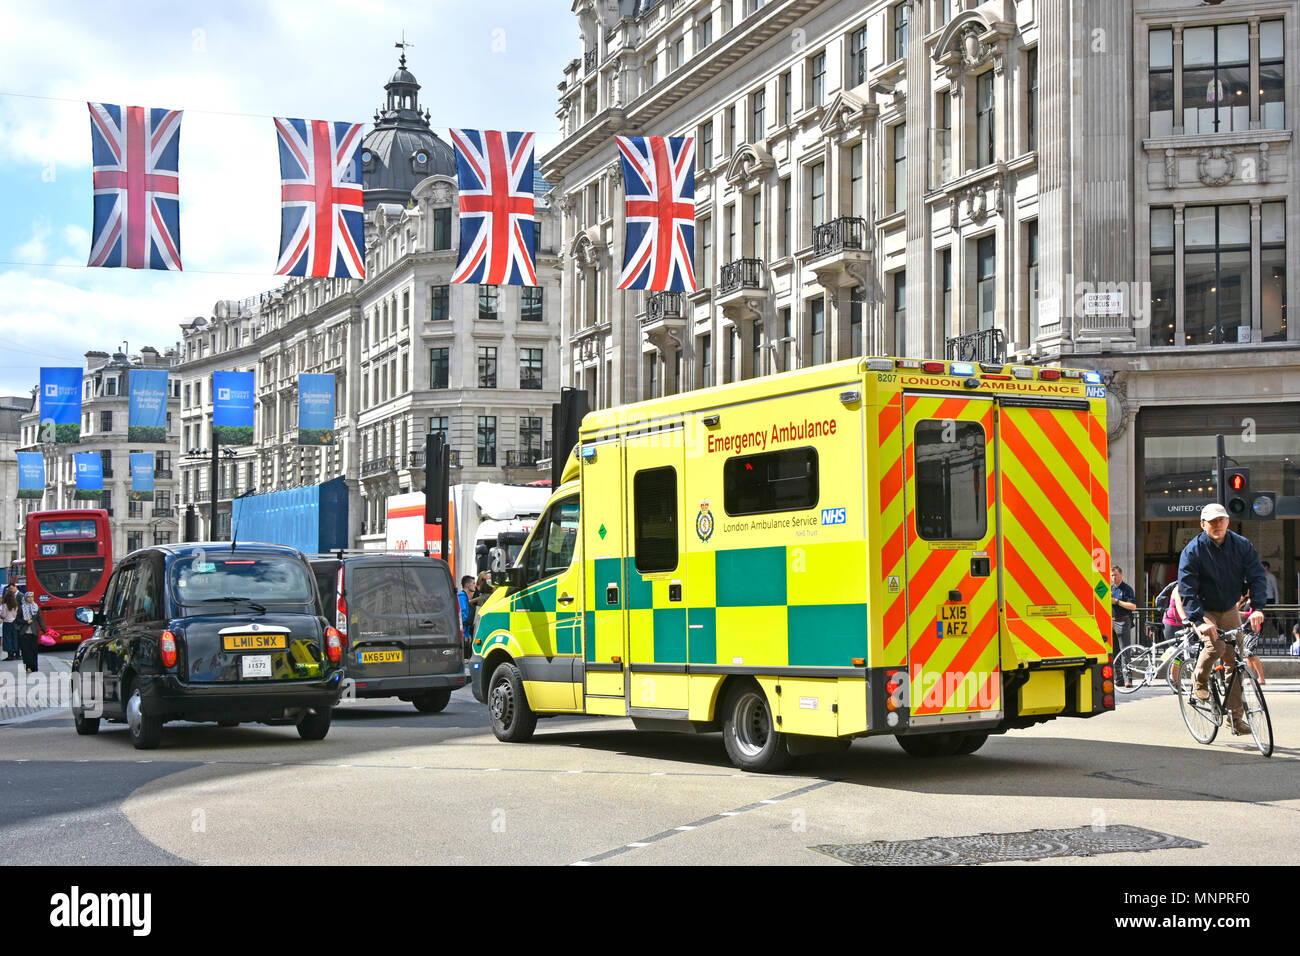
834	515
1096	391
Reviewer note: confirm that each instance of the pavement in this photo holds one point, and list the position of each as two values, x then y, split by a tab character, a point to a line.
389	785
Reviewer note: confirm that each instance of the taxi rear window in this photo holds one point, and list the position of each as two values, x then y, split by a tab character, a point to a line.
255	577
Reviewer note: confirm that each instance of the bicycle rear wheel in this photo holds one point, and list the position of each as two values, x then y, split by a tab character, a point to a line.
1132	668
1200	716
1252	698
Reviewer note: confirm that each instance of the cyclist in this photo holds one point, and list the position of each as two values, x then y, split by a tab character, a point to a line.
1215	569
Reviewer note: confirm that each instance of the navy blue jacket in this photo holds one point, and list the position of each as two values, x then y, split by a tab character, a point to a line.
1213	577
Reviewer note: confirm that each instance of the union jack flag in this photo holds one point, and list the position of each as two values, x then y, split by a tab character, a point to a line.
322	215
136	155
659	183
498	236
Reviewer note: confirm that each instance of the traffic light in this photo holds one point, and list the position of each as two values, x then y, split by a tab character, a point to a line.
1237	498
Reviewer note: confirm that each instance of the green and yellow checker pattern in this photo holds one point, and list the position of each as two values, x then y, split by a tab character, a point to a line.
532	612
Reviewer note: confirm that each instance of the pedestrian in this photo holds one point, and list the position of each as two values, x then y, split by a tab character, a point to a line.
1295	644
1214	570
1174	619
482	591
9	615
466	609
1122	605
1272	584
31	626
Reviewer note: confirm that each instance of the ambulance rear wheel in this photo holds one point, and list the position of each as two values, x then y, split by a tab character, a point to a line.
512	719
930	745
971	741
749	733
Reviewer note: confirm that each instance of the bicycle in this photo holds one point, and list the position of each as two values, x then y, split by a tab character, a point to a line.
1137	666
1203	717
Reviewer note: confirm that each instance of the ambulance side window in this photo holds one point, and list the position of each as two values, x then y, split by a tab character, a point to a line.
773	481
654	499
951	481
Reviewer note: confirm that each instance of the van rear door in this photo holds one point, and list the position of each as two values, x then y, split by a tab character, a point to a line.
379	621
434	642
1054	508
952	592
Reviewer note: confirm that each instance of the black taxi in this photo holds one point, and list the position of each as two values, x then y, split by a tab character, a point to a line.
208	632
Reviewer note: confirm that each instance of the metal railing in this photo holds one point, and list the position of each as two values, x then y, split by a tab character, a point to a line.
1274	641
847	232
741	274
527	458
376	466
663	305
415	459
162	473
986	345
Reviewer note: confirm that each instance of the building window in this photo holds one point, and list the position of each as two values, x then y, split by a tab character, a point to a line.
439	303
652	375
654	70
487	302
733	354
1272	272
679	53
440	425
942	11
1031	99
1272	113
487	366
817	194
1216	274
730	144
162	463
984	151
406	308
530	439
898	18
1216	78
1163	299
817	79
134	509
787	340
442	228
899	171
705	262
487	440
858	57
439	368
530	304
783	233
942	152
706	145
1031	290
530	368
945	280
134	539
900	311
985	281
857	197
162	537
756	348
756	225
706	361
758	104
857	308
816	331
787	81
105	421
704	35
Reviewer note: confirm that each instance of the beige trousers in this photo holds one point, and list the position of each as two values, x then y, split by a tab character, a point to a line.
1213	650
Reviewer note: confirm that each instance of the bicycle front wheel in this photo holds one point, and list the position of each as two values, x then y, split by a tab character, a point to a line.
1252	698
1132	668
1200	716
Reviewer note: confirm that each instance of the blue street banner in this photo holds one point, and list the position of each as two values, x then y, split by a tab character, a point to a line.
315	409
146	419
232	414
31	474
142	476
60	405
90	475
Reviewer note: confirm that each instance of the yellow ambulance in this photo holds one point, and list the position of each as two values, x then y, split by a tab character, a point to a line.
874	546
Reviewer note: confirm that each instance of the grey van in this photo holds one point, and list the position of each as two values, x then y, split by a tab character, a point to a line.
400	621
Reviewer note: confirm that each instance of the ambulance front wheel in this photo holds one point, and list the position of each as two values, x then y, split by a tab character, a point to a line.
753	743
512	719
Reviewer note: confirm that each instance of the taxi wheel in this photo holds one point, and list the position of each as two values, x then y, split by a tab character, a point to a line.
432	701
146	731
749	733
315	726
930	745
86	726
512	719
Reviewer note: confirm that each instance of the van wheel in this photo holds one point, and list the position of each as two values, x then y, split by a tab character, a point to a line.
930	745
86	726
749	733
146	731
512	719
315	725
432	701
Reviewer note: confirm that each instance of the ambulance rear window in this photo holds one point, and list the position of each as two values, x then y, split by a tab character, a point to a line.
951	481
773	481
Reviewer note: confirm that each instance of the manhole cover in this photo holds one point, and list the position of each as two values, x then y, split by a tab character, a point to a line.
1005	847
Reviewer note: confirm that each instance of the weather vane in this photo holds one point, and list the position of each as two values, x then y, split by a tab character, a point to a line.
402	45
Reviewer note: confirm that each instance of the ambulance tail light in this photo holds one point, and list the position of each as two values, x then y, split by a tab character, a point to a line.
167	644
880	365
333	644
932	367
1049	374
1108	701
1107	672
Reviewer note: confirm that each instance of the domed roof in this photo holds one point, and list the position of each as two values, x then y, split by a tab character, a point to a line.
401	150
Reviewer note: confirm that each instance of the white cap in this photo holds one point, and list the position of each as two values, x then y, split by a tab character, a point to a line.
1210	512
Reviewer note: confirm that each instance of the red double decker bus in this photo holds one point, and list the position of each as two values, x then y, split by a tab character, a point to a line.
69	557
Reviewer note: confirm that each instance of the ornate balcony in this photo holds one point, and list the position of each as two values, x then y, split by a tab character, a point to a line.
525	458
664	322
162	474
986	345
376	466
840	252
164	512
742	288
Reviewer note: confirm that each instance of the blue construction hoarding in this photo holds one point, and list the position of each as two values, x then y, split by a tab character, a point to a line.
312	519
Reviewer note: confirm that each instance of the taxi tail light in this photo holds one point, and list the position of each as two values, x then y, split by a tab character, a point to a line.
167	644
341	608
333	644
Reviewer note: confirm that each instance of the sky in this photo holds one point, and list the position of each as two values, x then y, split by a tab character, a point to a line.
231	67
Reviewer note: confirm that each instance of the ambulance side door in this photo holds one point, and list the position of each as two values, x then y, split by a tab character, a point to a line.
603	575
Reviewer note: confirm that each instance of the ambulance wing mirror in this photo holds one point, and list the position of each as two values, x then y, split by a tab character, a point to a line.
502	574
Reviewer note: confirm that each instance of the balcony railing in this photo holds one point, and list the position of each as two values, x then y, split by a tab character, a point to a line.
847	232
376	466
164	512
741	274
415	459
527	458
663	305
162	473
986	345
